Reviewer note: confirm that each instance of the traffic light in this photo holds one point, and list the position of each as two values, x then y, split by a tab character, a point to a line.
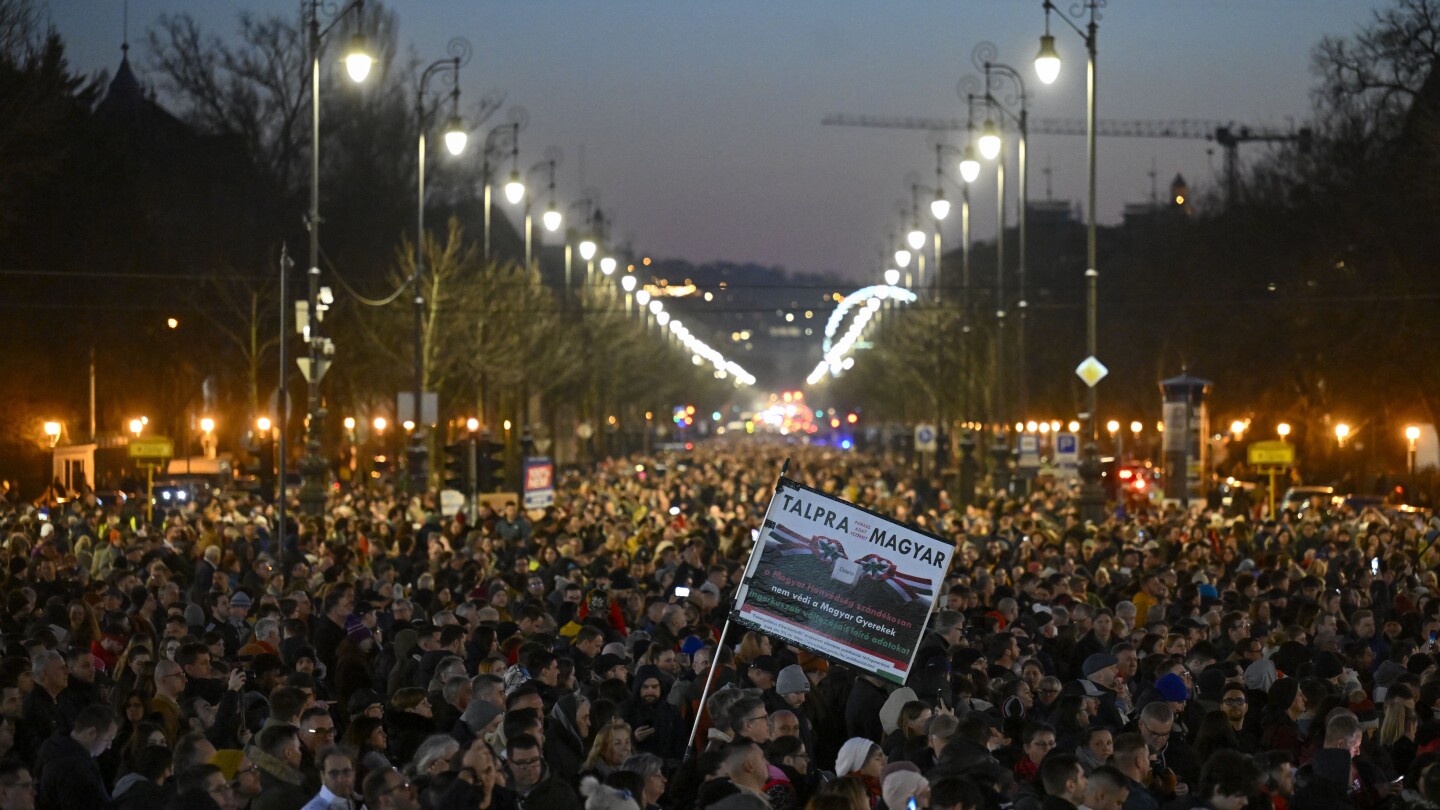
458	466
489	465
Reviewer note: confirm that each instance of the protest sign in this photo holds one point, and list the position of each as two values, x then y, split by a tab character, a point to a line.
841	581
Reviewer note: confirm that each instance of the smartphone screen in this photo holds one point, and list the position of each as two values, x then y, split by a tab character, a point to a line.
1375	565
682	591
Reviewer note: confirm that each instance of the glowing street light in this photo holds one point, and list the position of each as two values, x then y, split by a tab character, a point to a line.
892	276
349	423
514	188
380	424
916	239
989	142
1047	61
1412	435
607	265
137	426
1237	429
472	424
52	430
263	424
358	59
969	164
1282	430
1136	427
1342	432
587	249
552	218
1112	427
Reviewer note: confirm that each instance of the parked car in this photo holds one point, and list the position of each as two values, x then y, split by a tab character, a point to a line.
1303	499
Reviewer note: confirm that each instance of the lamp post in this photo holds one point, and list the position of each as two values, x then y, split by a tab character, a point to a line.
456	137
1047	67
983	55
545	165
358	62
969	167
514	187
1412	435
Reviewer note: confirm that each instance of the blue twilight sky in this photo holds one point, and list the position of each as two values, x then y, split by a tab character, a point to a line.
699	122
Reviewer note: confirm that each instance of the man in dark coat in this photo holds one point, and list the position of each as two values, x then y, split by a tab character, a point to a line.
658	728
65	768
531	777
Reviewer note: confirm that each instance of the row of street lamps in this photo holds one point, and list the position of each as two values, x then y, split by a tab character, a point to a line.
989	146
358	63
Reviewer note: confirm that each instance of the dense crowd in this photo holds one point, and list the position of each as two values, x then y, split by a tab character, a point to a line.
386	656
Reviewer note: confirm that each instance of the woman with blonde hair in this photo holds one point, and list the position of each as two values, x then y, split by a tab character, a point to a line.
610	749
1397	735
752	646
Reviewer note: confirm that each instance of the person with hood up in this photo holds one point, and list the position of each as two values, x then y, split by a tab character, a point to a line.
566	730
658	727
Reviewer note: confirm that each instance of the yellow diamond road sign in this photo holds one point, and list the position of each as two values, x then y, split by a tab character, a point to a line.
1091	371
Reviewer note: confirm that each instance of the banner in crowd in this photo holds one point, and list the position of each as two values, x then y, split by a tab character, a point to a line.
842	581
539	482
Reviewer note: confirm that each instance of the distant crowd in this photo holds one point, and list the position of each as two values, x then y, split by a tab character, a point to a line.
384	655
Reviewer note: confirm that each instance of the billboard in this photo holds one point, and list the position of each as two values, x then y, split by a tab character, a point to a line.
841	581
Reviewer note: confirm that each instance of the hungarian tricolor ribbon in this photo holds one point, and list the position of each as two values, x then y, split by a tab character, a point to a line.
875	567
791	544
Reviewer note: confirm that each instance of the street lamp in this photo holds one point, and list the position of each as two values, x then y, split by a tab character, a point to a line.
552	216
1342	432
358	62
52	430
1047	67
892	276
607	265
552	157
983	55
380	423
1412	435
902	257
989	142
1282	430
263	424
137	426
1237	429
460	51
493	140
969	164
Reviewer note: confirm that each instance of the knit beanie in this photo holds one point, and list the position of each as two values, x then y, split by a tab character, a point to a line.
899	787
852	755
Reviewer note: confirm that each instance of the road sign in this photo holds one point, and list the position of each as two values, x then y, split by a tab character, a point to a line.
152	447
1279	454
1029	447
429	407
1067	449
925	438
1091	370
539	482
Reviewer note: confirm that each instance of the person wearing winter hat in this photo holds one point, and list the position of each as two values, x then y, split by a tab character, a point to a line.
1173	690
864	760
659	729
791	690
901	786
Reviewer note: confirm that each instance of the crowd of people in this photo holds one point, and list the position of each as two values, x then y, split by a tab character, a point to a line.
384	655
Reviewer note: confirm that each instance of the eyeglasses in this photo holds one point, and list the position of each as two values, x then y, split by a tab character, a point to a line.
1234	701
1156	734
757	718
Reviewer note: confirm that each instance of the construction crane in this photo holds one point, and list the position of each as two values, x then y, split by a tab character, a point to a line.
1227	135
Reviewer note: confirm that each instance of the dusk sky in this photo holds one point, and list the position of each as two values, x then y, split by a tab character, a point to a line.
700	126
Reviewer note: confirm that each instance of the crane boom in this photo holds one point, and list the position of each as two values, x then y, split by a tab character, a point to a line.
1228	136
